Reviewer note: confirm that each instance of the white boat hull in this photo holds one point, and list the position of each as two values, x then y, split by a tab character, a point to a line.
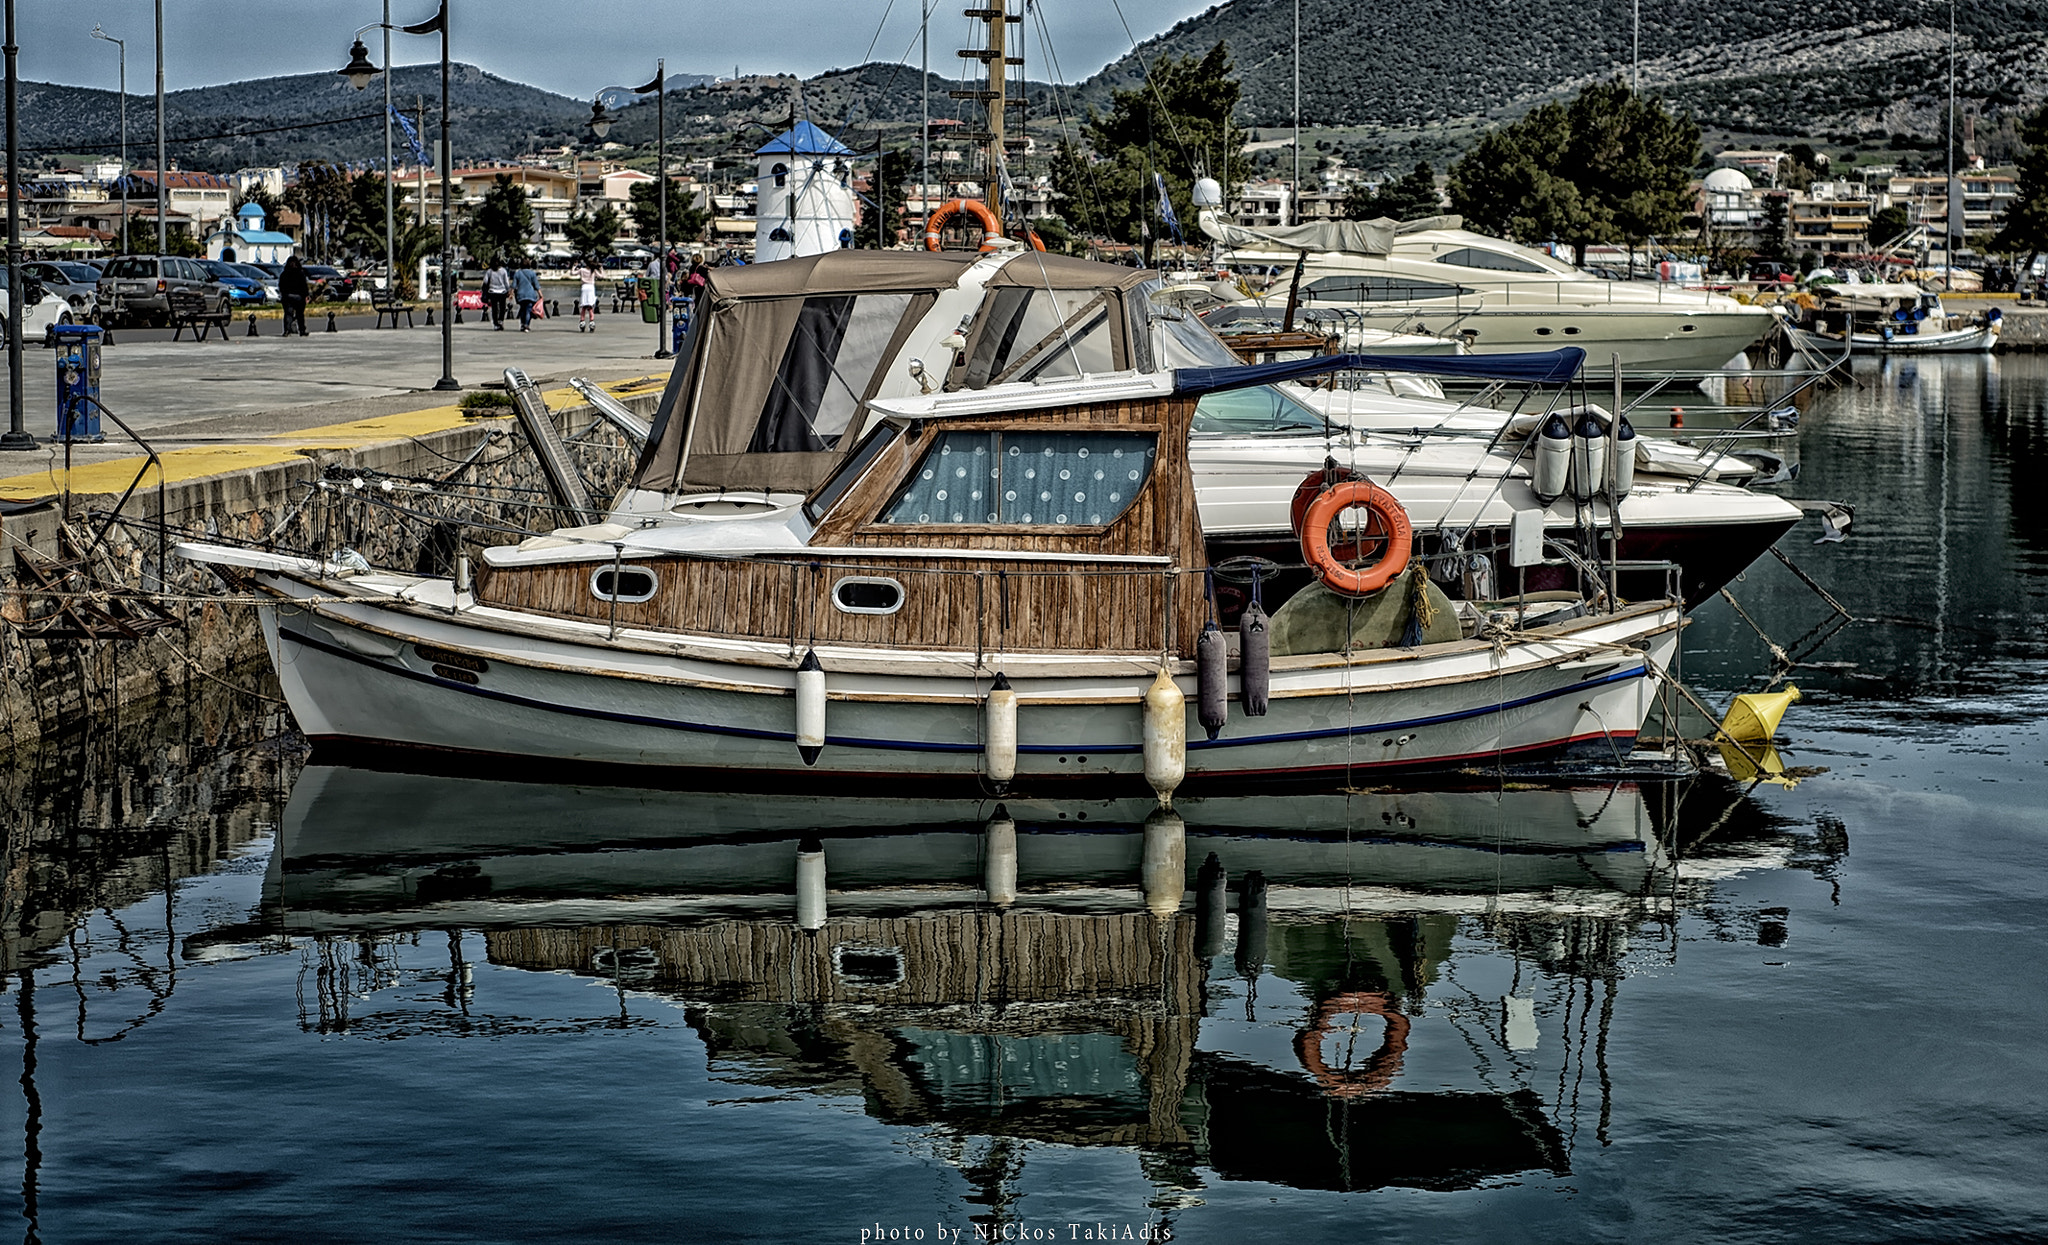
473	680
1648	338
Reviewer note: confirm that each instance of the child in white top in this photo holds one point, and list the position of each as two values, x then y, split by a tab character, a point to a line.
586	299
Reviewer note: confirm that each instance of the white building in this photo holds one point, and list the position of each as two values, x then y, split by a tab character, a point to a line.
805	189
243	238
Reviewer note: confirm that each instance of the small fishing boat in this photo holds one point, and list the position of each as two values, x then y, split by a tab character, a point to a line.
1892	318
997	587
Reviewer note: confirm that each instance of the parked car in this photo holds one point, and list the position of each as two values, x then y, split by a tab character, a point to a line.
324	282
76	283
137	288
1768	272
41	309
242	288
256	273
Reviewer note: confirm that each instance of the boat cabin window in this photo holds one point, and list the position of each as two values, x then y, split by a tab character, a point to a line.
833	350
855	465
1041	335
1059	479
1257	408
1378	290
1480	257
867	594
625	583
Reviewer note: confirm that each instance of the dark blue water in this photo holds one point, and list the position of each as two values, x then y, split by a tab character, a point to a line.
374	1006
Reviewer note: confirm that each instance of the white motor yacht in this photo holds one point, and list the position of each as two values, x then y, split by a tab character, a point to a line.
1432	276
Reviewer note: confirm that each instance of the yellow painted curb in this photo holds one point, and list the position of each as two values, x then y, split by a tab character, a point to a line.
194	464
114	475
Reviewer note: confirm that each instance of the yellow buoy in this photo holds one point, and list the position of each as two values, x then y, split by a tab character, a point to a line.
1753	717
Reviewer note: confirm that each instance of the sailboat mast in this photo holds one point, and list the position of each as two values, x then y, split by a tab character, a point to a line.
996	60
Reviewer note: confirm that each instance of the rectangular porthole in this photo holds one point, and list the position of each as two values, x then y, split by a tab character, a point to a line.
625	583
867	594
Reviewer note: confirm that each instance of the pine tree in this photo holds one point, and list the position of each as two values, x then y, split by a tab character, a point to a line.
2026	221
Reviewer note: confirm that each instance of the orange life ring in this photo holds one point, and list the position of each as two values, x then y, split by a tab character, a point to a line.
1379	1070
1394	533
991	227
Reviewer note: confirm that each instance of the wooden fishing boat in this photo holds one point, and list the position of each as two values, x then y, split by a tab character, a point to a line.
996	587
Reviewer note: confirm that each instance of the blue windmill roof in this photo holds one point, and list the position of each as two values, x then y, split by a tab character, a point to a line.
804	139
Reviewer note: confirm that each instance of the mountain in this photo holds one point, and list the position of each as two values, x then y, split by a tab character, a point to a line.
1852	66
301	117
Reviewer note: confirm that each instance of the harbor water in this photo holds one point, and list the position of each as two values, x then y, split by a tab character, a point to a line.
257	996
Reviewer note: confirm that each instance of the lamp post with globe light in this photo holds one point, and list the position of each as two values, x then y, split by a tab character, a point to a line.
359	71
601	125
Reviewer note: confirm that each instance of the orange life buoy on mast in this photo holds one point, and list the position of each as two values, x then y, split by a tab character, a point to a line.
1388	528
991	227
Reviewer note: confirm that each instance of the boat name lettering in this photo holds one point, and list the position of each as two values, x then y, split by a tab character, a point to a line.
448	657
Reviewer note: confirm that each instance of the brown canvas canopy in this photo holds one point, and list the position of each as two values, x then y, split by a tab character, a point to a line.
783	357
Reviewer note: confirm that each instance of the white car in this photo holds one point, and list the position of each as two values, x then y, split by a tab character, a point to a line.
44	309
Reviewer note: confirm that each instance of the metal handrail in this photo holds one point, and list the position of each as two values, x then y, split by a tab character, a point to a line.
153	460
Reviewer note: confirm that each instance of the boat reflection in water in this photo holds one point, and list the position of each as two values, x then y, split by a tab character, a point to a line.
1238	989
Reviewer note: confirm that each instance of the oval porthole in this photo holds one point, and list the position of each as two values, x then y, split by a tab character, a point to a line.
1571	330
1544	331
1687	328
867	594
624	583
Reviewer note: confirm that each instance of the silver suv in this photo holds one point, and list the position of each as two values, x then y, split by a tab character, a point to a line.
136	289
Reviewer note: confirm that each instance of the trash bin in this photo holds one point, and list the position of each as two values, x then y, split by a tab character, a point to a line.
650	310
78	381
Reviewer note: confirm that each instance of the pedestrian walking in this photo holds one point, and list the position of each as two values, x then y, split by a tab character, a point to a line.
497	288
292	288
526	289
586	297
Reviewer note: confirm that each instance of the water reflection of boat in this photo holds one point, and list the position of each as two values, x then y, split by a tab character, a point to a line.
1030	973
376	849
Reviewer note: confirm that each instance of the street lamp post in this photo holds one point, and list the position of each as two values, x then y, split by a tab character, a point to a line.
359	71
121	46
600	125
661	329
161	158
16	437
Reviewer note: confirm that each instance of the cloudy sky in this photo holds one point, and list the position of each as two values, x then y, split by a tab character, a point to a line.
570	46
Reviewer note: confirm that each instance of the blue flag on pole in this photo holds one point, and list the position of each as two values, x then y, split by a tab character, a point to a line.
1166	207
412	136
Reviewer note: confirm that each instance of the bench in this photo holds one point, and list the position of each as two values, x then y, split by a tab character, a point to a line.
388	303
188	311
626	293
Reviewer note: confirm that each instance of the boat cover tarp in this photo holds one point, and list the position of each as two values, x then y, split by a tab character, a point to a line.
1546	367
758	340
1362	237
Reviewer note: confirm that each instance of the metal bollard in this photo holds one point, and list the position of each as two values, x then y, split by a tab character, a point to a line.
330	321
458	313
430	317
252	325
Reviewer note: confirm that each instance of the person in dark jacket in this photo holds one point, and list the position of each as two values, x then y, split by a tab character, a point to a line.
291	291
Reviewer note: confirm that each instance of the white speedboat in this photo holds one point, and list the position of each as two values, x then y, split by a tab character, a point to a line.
1003	583
1893	318
1433	277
